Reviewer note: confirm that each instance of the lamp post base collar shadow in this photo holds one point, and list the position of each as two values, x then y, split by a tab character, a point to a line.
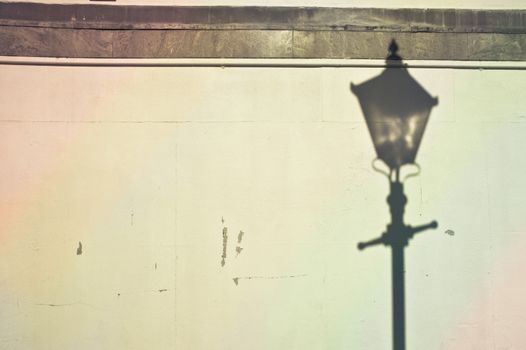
396	110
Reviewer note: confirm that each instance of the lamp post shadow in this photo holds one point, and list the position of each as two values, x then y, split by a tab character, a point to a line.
396	109
397	237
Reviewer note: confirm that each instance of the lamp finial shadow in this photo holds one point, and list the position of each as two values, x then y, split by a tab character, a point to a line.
393	52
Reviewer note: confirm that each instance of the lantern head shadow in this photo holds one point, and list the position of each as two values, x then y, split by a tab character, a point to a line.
396	109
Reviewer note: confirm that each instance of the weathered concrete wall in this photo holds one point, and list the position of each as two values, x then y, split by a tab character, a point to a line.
210	208
150	168
259	32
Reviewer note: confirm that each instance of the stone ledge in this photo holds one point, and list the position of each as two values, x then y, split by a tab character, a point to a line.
95	31
91	16
75	43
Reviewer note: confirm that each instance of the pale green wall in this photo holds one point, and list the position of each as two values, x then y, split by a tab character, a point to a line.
143	165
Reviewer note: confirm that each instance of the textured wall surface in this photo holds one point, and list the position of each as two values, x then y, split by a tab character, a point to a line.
126	192
218	208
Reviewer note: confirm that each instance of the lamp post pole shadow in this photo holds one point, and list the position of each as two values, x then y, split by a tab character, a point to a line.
396	109
397	237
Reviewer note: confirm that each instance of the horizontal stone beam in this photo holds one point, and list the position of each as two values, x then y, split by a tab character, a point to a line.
55	30
80	16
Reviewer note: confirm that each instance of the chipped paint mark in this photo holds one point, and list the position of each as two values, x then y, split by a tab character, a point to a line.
450	232
61	305
236	279
225	241
162	290
239	248
79	249
156	266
